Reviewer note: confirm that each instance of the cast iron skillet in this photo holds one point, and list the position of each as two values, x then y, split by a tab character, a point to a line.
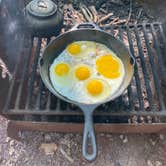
86	32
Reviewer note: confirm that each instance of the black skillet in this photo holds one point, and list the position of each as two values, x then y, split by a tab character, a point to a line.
86	32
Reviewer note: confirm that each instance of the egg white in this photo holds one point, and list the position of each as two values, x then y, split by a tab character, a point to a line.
74	89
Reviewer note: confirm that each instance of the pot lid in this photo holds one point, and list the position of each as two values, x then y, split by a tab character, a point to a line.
41	8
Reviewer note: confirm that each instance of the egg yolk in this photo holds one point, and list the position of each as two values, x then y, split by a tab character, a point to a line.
74	49
61	69
82	73
108	66
94	87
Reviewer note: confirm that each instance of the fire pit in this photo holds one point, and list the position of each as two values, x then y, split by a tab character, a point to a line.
29	105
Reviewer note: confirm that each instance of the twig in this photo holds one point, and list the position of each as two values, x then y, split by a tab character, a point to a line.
116	33
121	21
68	19
118	3
65	155
81	17
116	21
94	12
105	18
109	24
87	14
72	16
103	10
130	12
139	15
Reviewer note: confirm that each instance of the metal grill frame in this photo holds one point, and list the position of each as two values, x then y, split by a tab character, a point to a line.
44	115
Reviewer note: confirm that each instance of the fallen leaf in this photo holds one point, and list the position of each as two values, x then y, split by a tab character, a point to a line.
49	148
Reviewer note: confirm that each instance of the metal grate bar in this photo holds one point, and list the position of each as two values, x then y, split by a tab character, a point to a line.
48	101
58	104
11	88
156	44
41	105
131	103
38	101
41	85
138	83
162	35
120	100
164	41
153	67
120	34
74	113
129	90
27	59
29	98
144	69
139	25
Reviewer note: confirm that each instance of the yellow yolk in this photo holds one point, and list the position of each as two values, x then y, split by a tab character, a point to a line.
108	66
61	69
74	49
94	87
82	73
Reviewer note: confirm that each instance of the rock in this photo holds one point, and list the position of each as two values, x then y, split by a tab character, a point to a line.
149	163
125	140
161	137
47	137
11	143
152	142
20	135
8	139
49	148
158	163
8	163
121	136
11	151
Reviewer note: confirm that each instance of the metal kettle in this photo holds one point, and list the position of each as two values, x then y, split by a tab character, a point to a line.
43	18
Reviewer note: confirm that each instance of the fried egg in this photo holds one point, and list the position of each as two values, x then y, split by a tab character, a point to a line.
108	66
60	74
82	72
81	49
87	72
97	88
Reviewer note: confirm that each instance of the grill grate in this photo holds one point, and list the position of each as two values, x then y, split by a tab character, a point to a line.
28	98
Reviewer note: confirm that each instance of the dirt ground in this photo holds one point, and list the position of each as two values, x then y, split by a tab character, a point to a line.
55	149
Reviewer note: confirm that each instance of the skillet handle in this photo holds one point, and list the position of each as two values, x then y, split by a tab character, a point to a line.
86	25
89	132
